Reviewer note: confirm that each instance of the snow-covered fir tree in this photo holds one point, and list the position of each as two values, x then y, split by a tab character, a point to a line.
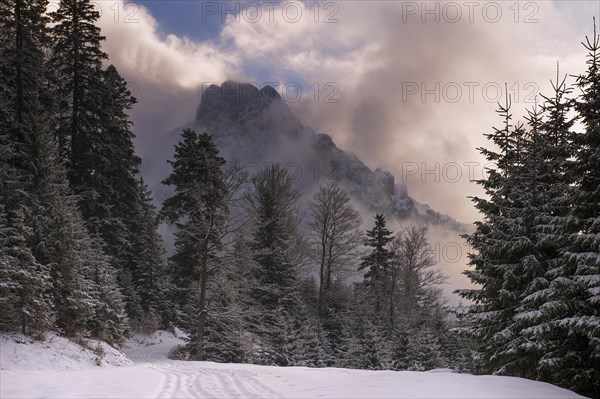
274	198
377	263
500	243
76	63
546	153
84	291
367	347
423	351
536	259
273	201
151	283
24	282
199	210
96	143
110	322
579	367
23	39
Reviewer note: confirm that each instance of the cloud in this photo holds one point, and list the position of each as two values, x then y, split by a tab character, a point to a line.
136	47
435	128
165	73
358	76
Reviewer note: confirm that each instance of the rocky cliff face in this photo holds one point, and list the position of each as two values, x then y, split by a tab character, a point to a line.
254	128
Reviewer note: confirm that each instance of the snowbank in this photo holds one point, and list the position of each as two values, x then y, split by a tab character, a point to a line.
19	352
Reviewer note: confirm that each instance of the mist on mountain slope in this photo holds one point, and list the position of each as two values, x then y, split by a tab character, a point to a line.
255	128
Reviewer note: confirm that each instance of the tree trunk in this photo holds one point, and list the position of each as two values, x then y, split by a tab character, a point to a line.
199	350
19	48
76	134
23	317
392	309
329	263
321	282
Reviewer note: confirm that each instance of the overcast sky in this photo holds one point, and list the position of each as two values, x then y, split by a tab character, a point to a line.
408	86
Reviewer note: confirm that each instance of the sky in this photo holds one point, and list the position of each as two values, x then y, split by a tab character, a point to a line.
410	87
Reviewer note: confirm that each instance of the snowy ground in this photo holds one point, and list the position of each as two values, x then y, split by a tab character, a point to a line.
60	369
18	352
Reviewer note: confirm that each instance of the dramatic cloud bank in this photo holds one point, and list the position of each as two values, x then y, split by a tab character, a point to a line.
408	96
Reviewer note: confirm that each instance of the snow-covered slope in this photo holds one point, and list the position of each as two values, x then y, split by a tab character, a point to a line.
154	376
18	352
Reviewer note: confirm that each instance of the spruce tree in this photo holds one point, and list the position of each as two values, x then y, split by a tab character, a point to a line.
536	259
367	347
114	165
96	142
335	316
23	38
7	155
273	201
500	244
150	274
110	322
226	324
61	240
199	210
548	186
24	283
310	350
515	354
423	351
377	263
578	368
234	312
76	61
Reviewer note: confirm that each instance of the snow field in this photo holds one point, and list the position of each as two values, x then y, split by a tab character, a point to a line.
58	368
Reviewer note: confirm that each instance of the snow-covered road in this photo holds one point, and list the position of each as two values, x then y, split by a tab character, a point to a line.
174	379
155	376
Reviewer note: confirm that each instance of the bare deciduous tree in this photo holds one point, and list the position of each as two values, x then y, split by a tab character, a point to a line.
414	283
334	235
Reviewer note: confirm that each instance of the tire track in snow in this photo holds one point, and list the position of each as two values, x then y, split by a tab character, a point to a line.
162	382
252	381
180	379
239	383
223	383
229	386
170	385
193	384
197	381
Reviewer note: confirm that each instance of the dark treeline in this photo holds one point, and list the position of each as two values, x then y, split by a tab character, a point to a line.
536	258
79	249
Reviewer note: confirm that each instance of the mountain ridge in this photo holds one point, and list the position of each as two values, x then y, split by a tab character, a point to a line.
254	126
